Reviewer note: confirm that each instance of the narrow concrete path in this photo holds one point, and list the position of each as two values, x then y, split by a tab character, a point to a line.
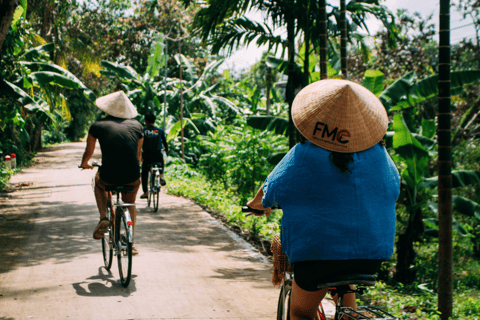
189	266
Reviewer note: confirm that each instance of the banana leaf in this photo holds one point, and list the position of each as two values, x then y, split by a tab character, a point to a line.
373	80
32	105
35	52
40	66
176	128
455	224
460	178
411	150
125	72
47	77
408	91
275	124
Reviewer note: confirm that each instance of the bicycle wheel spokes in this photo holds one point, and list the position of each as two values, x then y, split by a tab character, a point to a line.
124	247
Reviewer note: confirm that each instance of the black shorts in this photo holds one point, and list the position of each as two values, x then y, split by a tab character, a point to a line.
309	273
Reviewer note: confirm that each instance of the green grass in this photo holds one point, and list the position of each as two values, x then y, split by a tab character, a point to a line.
185	182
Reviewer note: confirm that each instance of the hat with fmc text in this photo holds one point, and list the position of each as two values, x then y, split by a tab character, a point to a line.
339	115
117	105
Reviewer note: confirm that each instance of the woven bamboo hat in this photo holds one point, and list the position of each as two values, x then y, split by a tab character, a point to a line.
117	105
339	115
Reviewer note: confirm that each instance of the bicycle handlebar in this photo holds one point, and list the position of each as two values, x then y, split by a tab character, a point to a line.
94	164
248	209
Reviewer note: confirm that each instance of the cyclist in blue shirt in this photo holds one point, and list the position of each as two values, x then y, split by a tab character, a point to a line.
154	142
337	190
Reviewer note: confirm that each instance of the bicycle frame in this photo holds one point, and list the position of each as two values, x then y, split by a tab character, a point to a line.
120	204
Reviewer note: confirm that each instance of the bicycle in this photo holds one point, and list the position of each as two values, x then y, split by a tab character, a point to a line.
118	240
154	185
339	285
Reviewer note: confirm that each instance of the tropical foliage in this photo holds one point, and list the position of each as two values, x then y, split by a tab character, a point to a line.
226	131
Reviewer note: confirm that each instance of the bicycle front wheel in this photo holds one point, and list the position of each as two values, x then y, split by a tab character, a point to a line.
107	248
156	197
283	309
124	247
149	189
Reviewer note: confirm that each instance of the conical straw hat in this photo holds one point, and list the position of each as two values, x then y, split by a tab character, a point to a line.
118	105
339	115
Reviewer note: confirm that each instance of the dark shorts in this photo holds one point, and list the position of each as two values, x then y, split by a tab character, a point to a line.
309	273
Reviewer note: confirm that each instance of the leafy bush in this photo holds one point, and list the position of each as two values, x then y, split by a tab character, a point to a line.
182	180
237	157
4	176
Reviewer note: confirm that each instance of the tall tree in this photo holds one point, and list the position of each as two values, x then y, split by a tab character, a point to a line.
344	38
445	286
7	9
322	20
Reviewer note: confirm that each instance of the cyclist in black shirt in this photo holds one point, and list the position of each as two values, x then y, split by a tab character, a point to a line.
154	142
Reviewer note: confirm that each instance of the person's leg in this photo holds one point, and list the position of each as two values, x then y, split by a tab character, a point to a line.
145	169
303	303
101	196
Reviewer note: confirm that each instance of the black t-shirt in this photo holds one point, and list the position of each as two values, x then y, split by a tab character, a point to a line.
153	141
118	140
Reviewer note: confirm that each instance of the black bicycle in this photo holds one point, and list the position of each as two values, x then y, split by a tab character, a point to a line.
154	185
119	238
339	286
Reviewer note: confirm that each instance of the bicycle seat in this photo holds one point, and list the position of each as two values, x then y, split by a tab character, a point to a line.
119	188
345	279
156	164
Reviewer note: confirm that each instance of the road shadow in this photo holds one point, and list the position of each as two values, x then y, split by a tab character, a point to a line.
104	285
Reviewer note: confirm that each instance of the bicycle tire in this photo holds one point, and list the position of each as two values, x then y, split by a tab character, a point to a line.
149	189
124	248
156	197
107	247
284	301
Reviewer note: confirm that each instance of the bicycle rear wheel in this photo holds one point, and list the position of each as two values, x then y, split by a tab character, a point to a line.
283	309
107	247
124	255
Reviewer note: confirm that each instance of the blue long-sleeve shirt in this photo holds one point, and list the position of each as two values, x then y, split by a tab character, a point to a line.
328	215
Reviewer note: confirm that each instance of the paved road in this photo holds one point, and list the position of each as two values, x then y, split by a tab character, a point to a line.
189	266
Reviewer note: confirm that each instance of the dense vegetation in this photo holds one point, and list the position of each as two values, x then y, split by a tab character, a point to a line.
226	131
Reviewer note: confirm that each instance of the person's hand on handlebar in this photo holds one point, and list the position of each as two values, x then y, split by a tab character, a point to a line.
86	165
256	203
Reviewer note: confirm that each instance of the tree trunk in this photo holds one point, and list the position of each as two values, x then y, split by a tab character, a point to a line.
323	38
306	62
344	38
405	250
45	20
181	99
7	9
268	88
290	90
445	211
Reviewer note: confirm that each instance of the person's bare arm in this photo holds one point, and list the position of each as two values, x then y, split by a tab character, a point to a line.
139	150
89	150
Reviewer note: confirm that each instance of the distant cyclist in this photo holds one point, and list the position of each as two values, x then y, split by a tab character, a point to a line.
337	190
121	138
154	142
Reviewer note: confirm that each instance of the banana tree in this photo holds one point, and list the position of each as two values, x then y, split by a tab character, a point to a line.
45	83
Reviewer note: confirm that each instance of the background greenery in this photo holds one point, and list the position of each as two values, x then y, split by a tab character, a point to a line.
54	63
